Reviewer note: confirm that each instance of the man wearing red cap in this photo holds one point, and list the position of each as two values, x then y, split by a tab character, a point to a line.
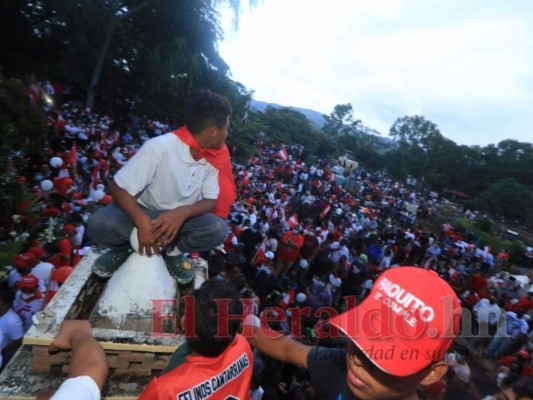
42	269
23	263
177	191
397	340
28	300
58	277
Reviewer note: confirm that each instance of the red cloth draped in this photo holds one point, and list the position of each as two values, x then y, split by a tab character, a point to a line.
220	159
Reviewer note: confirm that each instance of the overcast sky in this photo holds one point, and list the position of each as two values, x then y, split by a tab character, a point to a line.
466	65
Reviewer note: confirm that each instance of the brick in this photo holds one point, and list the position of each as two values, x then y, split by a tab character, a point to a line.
133	372
58	359
40	361
162	358
118	364
137	357
40	351
156	365
40	368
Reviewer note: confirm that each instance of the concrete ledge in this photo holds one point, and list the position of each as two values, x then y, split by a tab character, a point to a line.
135	357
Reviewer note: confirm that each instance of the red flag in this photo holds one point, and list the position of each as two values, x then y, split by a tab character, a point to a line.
325	212
283	154
95	179
293	220
287	299
72	155
60	123
260	253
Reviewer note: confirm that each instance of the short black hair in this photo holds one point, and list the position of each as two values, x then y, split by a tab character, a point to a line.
523	387
207	340
206	108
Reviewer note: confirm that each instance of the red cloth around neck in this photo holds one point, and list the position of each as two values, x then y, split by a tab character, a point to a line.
220	159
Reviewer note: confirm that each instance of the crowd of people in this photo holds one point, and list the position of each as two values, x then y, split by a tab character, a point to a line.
296	238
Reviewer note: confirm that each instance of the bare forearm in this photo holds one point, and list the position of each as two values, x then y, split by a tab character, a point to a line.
88	358
278	346
201	207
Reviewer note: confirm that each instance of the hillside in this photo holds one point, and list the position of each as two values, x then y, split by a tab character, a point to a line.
313	116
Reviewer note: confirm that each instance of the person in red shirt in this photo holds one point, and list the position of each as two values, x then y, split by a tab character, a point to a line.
478	282
524	304
65	245
212	363
58	277
289	250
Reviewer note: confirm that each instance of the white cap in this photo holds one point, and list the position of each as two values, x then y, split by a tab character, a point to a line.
301	297
269	255
304	264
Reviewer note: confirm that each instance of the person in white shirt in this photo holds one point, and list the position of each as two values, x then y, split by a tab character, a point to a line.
457	363
171	192
1	340
11	327
487	314
42	270
28	300
23	263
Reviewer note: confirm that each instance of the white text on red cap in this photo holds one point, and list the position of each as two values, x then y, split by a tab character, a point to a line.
402	302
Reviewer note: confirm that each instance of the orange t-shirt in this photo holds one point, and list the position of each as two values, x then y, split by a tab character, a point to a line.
227	376
287	253
65	249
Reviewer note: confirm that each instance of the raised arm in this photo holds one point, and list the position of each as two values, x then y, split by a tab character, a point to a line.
275	344
88	357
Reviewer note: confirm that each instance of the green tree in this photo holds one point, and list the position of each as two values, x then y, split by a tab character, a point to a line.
415	131
157	51
506	197
21	123
341	121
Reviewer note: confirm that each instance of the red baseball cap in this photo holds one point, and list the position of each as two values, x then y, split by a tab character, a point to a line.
69	228
24	260
37	252
28	281
60	274
409	319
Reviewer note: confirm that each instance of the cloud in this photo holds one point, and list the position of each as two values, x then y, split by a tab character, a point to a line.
467	66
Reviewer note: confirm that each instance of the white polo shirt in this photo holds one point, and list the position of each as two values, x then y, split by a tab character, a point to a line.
26	310
164	175
11	327
79	388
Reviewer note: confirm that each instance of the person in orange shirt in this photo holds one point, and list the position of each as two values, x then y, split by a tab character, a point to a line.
65	245
212	363
289	250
